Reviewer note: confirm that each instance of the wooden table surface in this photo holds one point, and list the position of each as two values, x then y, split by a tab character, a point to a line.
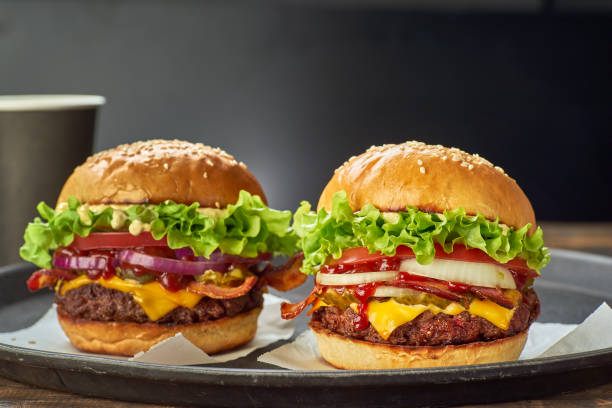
588	237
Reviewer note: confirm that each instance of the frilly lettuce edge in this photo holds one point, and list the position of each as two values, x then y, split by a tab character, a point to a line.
246	228
326	234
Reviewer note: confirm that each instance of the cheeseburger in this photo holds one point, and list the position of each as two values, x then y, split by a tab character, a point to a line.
155	238
424	256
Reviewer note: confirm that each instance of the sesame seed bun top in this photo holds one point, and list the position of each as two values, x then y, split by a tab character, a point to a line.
431	178
158	170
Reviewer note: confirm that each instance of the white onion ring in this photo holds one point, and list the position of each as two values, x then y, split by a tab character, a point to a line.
471	273
348	279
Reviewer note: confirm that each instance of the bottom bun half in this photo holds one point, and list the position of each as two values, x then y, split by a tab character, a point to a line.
127	339
352	354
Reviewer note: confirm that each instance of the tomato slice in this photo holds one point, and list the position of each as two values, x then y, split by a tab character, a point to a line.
362	255
460	253
99	240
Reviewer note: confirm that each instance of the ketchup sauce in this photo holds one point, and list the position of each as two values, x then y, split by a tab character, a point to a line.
363	293
173	282
519	279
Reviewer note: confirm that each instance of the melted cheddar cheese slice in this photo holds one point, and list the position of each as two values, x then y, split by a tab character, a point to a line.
152	297
491	311
386	316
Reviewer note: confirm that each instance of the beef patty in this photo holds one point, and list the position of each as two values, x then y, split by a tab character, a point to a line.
429	329
95	302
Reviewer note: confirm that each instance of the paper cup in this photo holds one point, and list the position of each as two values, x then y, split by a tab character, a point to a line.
42	139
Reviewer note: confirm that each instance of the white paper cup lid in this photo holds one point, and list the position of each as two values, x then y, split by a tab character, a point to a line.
48	102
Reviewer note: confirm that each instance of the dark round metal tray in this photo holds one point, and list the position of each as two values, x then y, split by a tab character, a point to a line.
572	286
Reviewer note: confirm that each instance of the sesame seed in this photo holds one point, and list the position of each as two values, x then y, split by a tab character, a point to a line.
241	164
205	175
166	166
464	164
471	166
209	162
217	204
455	157
444	158
420	162
422	170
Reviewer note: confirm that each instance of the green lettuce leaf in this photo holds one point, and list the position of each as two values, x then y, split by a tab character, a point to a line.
325	234
245	228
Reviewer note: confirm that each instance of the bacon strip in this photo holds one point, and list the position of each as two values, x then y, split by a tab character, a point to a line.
46	278
494	294
40	279
292	310
439	289
287	276
219	292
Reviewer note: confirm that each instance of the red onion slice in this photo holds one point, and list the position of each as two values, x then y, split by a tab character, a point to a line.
80	262
156	263
218	256
182	253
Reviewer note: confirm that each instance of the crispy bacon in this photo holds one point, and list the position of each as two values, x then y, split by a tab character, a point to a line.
292	310
494	294
40	279
46	278
219	292
287	276
439	289
442	290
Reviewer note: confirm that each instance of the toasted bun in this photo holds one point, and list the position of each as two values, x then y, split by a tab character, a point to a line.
346	353
127	339
431	178
158	170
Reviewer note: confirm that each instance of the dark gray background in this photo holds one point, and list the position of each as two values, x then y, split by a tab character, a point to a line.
295	88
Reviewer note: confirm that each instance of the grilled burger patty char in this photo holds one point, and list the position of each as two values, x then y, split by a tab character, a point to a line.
98	303
428	329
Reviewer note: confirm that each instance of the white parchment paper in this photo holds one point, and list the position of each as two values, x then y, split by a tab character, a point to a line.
544	340
47	335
